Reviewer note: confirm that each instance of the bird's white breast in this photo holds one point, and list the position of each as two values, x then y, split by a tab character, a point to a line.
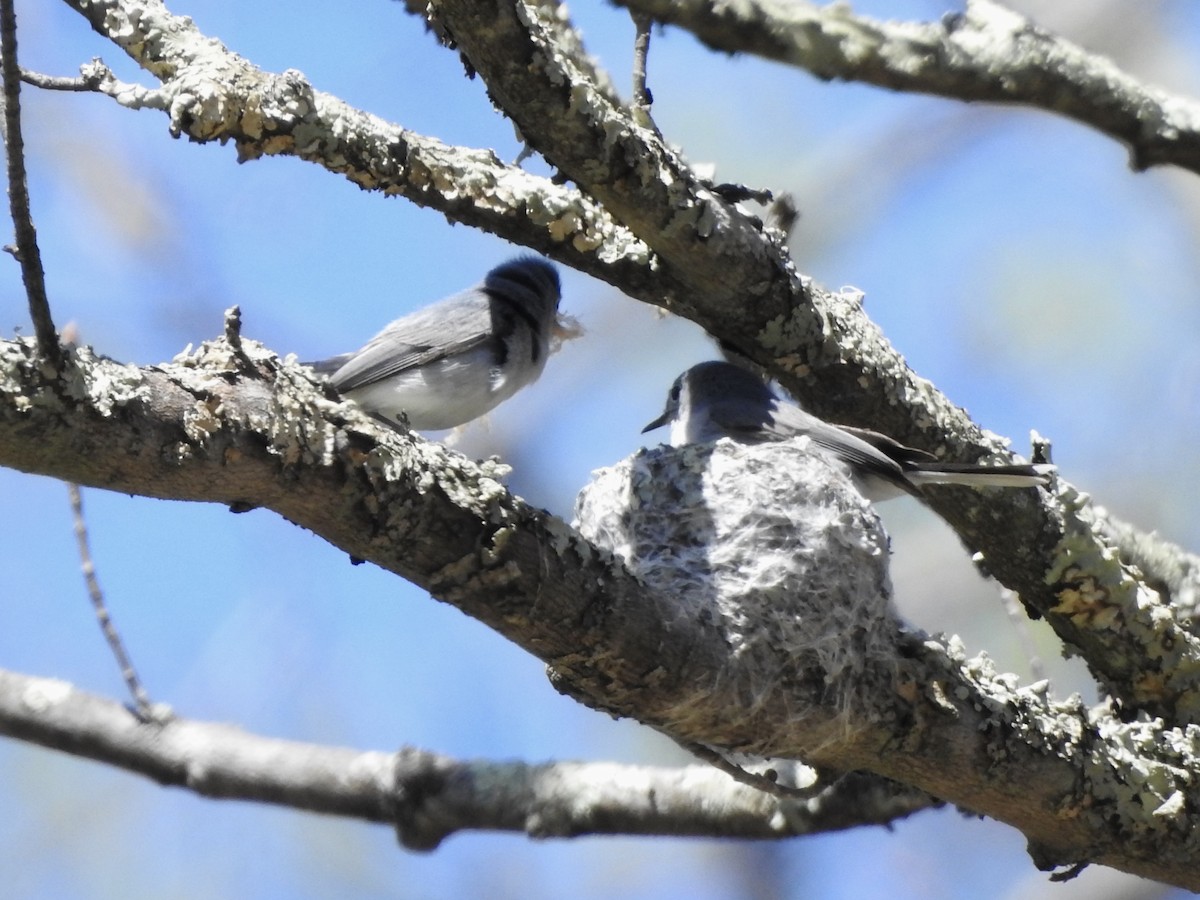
447	392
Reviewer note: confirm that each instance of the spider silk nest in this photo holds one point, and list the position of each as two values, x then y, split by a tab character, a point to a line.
770	542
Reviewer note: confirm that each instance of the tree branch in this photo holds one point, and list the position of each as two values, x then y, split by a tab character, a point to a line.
710	252
26	249
88	82
141	700
711	258
428	797
212	94
988	53
242	428
742	287
642	96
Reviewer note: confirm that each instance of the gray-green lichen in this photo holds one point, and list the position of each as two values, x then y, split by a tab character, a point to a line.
792	336
101	385
106	386
1134	780
293	415
1098	593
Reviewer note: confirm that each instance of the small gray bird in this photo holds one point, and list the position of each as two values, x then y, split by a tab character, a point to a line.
451	362
717	399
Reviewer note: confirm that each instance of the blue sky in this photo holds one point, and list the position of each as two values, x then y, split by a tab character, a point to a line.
1011	256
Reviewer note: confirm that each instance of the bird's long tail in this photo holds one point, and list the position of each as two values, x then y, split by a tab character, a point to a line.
981	476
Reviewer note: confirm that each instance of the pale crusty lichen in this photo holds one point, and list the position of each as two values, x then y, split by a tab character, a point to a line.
102	385
1135	781
106	388
1099	593
46	693
294	420
211	94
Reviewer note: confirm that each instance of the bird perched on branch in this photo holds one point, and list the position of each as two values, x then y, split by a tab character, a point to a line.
455	360
716	399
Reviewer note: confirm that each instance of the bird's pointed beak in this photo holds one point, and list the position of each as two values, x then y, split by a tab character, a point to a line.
659	422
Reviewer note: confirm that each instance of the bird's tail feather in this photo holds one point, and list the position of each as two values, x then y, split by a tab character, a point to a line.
328	366
981	476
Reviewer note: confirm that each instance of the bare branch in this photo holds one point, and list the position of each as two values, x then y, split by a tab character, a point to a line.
987	53
569	799
26	249
213	760
246	430
708	258
211	94
642	98
145	708
742	286
426	796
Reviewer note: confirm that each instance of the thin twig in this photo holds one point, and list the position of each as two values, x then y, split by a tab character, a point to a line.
765	782
141	700
58	82
26	249
641	49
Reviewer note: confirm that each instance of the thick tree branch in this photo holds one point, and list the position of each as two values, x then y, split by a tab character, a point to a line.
988	53
235	426
212	94
742	287
1171	570
428	797
710	252
238	428
708	262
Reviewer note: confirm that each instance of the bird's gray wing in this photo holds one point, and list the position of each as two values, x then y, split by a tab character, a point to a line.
890	447
449	327
748	423
859	448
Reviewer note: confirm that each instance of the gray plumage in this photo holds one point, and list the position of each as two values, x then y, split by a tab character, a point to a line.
717	399
455	360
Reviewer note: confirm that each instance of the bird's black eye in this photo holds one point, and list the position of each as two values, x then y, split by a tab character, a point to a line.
673	394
